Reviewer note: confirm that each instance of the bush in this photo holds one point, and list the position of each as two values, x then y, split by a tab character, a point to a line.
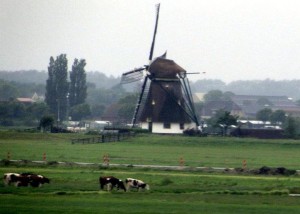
192	132
166	181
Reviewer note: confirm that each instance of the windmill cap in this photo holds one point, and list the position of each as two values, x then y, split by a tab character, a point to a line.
165	68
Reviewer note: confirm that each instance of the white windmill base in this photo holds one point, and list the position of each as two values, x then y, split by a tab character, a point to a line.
171	128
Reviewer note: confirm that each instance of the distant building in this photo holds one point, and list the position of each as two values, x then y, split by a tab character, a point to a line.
25	100
246	106
251	104
34	99
210	108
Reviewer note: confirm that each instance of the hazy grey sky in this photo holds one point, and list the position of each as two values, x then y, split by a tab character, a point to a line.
227	39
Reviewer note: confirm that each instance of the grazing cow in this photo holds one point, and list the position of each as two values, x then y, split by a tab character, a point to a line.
111	182
17	179
9	178
134	183
36	180
24	179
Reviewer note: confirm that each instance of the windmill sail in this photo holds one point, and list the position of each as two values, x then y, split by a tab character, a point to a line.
141	101
154	34
132	76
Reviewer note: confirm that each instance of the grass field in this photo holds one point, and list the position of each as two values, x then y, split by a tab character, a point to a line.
154	149
75	189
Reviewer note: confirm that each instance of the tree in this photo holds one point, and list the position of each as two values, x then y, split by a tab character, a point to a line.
37	110
78	86
57	86
46	122
264	114
291	127
278	116
217	95
7	90
214	95
223	119
97	110
127	106
50	95
80	111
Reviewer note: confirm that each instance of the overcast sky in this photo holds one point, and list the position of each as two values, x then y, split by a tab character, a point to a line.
227	39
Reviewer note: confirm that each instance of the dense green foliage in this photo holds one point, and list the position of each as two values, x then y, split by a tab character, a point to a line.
57	86
78	87
14	113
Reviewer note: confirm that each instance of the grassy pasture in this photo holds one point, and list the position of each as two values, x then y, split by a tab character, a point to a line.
154	149
75	189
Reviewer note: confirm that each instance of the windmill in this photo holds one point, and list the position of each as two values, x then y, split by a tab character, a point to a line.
165	104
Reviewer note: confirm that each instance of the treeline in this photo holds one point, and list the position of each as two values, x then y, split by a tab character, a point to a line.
98	80
267	87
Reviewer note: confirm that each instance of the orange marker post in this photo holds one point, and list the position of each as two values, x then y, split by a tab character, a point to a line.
181	161
244	164
106	159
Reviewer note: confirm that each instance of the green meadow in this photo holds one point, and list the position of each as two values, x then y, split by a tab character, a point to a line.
75	189
154	149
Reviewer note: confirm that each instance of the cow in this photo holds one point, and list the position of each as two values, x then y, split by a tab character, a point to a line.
24	179
10	178
111	182
36	180
15	178
135	183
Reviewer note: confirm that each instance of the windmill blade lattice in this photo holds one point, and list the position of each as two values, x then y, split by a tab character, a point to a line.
133	76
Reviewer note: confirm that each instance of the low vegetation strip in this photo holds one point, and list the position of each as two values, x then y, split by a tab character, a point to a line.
260	171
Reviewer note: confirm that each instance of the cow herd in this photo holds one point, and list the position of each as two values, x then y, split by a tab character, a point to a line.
110	182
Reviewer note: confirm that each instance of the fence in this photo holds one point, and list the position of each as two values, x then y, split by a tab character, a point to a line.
103	138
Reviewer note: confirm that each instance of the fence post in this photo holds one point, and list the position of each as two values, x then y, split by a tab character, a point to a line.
44	156
8	155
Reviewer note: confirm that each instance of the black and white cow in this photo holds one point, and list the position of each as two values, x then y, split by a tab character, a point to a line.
24	179
14	179
111	182
137	184
36	180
